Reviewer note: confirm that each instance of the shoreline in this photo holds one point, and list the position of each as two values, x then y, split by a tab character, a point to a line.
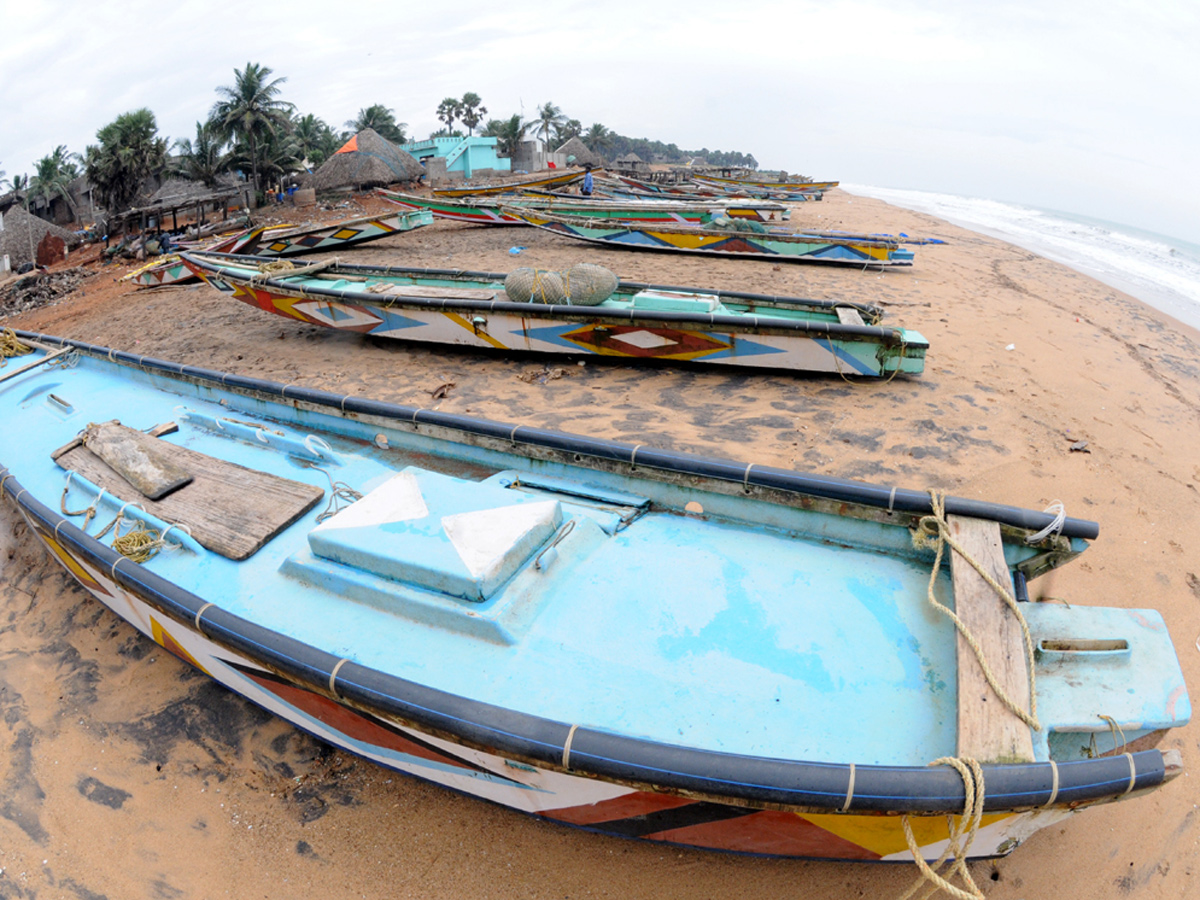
1182	309
114	750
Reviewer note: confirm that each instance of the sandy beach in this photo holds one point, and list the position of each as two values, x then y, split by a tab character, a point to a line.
125	773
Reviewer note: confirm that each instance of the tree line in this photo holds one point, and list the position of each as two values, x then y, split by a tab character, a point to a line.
251	129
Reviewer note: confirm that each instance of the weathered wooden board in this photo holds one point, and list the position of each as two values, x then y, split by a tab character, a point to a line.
147	463
848	315
230	509
987	730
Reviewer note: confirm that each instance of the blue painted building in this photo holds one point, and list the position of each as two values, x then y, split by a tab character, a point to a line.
462	154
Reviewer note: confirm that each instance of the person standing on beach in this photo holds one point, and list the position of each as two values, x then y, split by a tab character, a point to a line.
586	190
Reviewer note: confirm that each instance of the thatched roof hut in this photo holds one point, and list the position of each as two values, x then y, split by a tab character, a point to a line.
366	160
22	230
583	155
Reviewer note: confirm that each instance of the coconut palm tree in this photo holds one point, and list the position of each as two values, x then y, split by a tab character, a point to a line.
205	159
382	121
508	133
598	137
315	140
569	129
548	120
471	111
129	152
250	111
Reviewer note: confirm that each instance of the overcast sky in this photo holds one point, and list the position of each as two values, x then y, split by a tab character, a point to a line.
1084	107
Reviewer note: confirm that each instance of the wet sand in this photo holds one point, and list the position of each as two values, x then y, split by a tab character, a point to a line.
124	773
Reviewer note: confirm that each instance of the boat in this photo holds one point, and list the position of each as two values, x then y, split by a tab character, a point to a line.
634	321
824	247
696	188
486	210
795	186
636	641
559	179
170	269
334	236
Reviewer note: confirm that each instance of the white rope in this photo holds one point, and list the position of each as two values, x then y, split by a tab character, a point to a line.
1055	527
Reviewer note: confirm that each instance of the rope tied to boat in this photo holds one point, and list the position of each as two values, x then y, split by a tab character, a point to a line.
934	531
10	346
341	494
958	846
270	269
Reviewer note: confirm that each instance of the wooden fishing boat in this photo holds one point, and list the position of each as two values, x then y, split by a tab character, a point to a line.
773	245
334	236
169	270
560	179
637	321
486	210
636	641
795	186
696	188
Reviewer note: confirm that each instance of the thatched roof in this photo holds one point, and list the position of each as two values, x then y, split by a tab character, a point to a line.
366	160
181	190
583	155
630	157
20	227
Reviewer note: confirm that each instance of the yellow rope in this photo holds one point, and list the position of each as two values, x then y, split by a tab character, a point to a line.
10	345
934	530
966	828
140	544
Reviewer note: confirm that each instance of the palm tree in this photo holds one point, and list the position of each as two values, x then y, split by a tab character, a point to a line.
129	151
205	159
382	121
598	137
4	182
449	110
277	153
315	140
471	111
508	133
548	120
53	177
569	129
250	112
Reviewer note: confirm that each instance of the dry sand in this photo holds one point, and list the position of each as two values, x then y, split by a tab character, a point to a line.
124	773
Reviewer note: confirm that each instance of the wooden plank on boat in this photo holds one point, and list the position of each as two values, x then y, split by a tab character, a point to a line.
848	315
230	509
435	292
141	459
987	730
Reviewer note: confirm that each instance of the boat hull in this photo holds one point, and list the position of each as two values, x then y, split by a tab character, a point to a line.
337	236
580	331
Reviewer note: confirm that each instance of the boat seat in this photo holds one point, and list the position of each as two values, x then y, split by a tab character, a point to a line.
670	301
462	538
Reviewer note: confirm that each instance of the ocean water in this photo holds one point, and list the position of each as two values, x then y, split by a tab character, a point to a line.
1161	271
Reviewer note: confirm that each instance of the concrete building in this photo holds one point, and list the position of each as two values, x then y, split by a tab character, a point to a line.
465	157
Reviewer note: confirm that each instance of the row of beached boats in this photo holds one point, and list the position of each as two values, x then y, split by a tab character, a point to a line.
627	639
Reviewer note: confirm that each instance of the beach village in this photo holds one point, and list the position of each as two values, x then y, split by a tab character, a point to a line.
514	513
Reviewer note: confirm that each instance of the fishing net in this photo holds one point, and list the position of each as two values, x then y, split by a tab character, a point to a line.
589	284
724	223
526	285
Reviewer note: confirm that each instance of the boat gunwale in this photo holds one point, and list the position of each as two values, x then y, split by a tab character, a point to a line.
749	324
547	200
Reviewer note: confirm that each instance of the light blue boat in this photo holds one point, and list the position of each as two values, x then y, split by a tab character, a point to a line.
627	639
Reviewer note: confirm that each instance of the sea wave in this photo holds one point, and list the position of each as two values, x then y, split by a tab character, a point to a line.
1162	271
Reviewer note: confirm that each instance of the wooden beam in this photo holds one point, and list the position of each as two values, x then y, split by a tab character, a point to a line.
987	730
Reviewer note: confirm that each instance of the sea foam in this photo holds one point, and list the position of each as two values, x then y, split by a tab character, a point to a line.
1161	271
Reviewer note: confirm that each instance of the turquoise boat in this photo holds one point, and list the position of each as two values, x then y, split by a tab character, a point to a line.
631	640
817	247
635	322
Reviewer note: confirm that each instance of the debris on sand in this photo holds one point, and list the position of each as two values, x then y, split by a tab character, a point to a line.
38	289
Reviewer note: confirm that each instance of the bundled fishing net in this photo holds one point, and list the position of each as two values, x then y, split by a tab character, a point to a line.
588	284
725	223
584	284
526	285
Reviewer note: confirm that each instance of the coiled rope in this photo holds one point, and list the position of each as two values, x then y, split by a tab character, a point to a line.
933	530
10	346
